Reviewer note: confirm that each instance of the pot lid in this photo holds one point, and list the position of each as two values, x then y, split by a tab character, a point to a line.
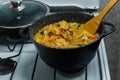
19	13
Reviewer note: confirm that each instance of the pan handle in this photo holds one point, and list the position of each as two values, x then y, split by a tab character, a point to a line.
108	31
69	8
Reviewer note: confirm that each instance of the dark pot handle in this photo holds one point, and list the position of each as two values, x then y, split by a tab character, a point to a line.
111	29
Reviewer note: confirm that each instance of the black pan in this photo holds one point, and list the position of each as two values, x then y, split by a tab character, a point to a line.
68	59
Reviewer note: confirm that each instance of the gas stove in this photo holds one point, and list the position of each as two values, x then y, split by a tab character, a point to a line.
29	66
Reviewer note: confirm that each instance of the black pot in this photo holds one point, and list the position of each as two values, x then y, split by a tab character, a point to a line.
68	59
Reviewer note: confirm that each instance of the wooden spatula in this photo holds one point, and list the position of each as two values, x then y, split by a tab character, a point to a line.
93	24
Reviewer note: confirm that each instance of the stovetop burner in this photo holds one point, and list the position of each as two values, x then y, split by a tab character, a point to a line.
18	37
6	66
4	39
13	40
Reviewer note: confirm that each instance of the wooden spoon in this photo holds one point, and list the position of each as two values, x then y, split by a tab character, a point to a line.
93	24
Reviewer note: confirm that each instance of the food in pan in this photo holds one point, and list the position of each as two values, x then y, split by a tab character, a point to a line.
64	34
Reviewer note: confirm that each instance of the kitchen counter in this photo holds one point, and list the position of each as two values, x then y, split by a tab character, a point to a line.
112	41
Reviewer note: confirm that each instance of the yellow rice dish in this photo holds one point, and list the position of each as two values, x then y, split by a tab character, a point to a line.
64	35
